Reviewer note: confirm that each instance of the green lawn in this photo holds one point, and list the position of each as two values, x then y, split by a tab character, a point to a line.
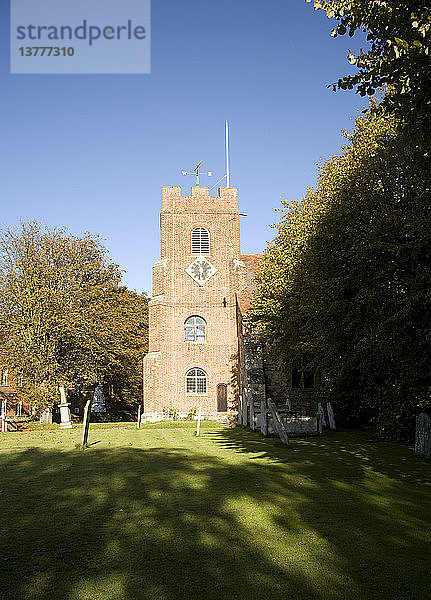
160	514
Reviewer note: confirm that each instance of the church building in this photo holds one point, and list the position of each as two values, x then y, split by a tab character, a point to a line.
200	284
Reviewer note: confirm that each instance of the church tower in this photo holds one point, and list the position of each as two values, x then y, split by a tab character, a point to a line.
193	330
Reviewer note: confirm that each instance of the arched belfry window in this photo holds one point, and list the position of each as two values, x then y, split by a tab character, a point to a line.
196	381
200	241
195	329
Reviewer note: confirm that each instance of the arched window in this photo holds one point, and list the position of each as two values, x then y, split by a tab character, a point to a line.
195	330
200	241
3	376
196	381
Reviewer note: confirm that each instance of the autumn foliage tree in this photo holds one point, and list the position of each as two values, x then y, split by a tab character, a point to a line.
63	314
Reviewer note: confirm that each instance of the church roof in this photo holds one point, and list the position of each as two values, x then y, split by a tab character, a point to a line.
245	296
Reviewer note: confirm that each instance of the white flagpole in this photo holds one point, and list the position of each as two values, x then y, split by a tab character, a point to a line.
227	156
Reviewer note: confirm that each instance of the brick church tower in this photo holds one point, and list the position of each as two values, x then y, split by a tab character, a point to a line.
193	314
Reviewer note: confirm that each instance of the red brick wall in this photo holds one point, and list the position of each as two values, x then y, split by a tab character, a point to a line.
176	296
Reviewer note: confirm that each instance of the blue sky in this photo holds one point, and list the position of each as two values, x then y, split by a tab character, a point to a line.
91	152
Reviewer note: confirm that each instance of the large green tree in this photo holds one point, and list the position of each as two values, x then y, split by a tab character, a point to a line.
398	54
346	282
64	315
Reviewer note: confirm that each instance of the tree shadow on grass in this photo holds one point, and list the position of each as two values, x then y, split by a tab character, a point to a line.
371	503
130	524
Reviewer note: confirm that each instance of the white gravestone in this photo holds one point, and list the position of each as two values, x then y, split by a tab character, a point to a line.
98	405
64	406
321	413
423	435
331	417
3	415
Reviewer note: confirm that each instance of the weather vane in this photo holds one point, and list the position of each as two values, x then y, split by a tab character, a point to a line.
197	174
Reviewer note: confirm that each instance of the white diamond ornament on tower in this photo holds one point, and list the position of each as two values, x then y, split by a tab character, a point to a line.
201	270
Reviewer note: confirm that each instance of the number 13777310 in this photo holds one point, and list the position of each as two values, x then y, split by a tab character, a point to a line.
46	51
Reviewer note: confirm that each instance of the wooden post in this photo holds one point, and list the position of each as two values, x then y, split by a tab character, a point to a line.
240	410
86	423
278	425
251	411
199	421
138	423
263	418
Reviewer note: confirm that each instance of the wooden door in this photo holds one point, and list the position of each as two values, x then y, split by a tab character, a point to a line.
222	397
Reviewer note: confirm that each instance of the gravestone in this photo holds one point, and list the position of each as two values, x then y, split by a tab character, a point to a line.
86	423
331	417
251	399
98	405
240	410
46	416
64	406
3	415
423	435
263	418
321	414
244	408
277	422
288	404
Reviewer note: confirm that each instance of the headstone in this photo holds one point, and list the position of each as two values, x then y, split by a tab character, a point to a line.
3	415
288	404
321	413
277	423
138	423
423	435
263	418
64	406
46	416
86	423
298	425
244	408
199	421
331	417
251	411
240	410
319	423
98	404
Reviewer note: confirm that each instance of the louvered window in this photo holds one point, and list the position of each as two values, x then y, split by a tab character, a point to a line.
196	381
200	241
